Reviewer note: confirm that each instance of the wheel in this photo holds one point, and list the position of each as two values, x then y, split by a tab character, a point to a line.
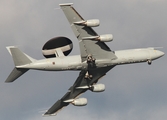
149	62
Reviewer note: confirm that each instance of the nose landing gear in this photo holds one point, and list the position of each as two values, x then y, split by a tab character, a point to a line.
149	62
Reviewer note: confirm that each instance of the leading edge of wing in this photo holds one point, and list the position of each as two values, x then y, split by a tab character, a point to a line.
97	49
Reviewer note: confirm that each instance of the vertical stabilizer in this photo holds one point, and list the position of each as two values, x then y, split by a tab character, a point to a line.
19	57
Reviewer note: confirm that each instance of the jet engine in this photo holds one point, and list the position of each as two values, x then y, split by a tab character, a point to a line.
80	102
97	88
58	43
102	38
106	38
89	23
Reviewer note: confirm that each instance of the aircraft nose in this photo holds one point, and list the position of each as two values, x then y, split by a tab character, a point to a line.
155	54
160	53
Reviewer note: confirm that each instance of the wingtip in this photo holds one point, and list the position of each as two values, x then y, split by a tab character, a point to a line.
7	81
8	48
46	115
65	4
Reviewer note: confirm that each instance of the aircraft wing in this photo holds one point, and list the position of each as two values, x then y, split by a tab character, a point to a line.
97	49
74	90
88	47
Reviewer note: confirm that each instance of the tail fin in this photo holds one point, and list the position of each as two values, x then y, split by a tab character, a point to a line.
19	58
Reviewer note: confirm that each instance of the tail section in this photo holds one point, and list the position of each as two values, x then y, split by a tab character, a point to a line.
19	59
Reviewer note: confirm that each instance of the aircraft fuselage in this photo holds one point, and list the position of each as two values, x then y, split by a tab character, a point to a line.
74	62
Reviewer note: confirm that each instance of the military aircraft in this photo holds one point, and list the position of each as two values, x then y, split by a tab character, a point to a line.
94	61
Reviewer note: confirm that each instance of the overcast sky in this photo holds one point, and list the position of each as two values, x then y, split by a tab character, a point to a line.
133	92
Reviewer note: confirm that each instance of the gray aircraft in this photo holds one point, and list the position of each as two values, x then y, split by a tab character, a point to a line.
94	61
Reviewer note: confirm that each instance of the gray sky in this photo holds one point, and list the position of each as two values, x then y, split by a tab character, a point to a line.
133	92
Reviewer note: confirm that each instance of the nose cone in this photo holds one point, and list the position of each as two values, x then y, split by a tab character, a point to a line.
159	53
155	54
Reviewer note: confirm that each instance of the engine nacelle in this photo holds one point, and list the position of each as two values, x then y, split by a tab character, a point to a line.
89	23
98	88
92	23
105	38
102	38
80	102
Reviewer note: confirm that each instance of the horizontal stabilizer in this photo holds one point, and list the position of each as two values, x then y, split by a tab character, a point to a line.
15	74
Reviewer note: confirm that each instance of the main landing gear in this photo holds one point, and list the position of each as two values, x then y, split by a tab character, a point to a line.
91	64
90	59
88	76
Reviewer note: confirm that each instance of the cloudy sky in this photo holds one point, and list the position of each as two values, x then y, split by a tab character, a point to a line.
133	92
